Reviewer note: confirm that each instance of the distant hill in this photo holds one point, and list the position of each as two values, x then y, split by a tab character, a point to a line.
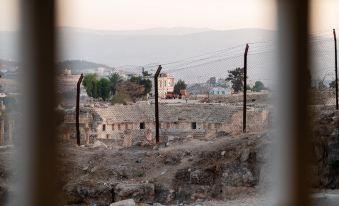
139	48
80	66
192	54
129	51
143	32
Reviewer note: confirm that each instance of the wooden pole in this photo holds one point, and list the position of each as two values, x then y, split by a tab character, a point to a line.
2	131
156	96
336	69
245	89
78	109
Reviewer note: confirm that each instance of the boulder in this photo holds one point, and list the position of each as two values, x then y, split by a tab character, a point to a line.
164	194
238	175
143	192
87	192
129	202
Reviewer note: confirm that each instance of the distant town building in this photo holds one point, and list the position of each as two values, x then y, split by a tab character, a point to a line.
220	91
100	71
67	72
165	84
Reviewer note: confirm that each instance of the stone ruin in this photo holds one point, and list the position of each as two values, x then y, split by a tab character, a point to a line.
127	125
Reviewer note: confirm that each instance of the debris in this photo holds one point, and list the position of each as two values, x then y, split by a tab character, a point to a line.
163	172
97	144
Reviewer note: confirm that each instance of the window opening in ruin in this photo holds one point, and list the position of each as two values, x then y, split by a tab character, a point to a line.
217	125
112	126
194	125
103	127
142	125
107	136
119	127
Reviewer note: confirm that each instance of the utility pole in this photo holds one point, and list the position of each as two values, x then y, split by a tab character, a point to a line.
336	69
245	89
78	109
156	96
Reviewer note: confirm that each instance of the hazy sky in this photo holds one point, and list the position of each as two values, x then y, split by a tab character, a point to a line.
143	14
325	15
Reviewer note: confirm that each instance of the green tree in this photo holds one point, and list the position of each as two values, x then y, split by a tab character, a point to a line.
321	85
180	85
90	84
114	79
147	84
236	77
332	84
258	86
212	81
145	73
104	88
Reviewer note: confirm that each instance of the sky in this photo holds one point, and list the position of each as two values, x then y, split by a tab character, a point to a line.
141	14
144	14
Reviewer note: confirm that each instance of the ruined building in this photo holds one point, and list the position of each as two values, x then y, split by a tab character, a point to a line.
132	124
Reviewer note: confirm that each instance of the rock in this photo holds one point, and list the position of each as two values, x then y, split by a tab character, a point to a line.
98	144
172	160
93	169
129	202
164	194
222	153
201	177
238	175
156	147
163	172
170	138
139	192
245	155
158	204
87	192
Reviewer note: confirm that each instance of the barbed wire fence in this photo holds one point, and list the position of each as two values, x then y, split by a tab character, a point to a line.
213	103
214	106
323	74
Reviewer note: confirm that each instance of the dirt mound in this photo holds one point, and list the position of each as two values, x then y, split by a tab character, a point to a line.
225	168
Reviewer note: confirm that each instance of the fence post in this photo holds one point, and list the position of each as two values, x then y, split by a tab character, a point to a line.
336	69
78	109
245	89
156	94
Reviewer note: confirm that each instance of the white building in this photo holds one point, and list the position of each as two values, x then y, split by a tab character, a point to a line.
165	84
220	91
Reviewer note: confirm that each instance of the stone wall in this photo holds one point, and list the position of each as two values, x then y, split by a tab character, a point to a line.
129	133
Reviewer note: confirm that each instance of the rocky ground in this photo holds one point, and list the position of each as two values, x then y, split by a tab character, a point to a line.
325	145
181	173
225	171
